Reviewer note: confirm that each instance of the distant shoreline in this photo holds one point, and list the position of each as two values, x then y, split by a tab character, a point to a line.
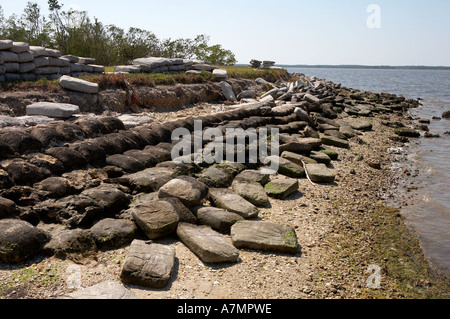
412	67
373	67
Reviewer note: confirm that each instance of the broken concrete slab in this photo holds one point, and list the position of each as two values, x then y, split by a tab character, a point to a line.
264	236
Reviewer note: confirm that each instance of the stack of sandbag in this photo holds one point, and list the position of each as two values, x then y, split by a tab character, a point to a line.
21	62
164	65
81	66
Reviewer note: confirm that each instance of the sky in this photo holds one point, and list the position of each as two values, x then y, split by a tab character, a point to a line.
334	32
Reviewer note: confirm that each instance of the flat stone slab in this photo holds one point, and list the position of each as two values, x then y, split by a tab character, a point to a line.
251	191
362	126
155	218
334	141
148	265
232	202
219	219
285	166
188	190
281	188
207	244
297	158
109	290
150	179
50	109
253	176
319	173
78	85
264	236
320	157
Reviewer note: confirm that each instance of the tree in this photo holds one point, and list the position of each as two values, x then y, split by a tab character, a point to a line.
215	54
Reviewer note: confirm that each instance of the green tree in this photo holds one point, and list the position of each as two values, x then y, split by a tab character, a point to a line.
215	54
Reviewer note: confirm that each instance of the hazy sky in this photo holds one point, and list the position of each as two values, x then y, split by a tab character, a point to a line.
411	32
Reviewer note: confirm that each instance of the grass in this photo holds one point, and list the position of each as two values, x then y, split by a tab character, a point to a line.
245	72
123	81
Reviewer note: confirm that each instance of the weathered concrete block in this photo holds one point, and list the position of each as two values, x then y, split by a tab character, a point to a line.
79	85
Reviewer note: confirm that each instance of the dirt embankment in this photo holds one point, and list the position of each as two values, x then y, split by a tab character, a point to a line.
131	98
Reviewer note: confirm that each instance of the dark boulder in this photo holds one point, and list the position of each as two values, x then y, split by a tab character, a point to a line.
20	240
127	163
69	157
21	142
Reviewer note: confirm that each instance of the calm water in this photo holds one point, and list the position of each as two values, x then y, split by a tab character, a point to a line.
428	209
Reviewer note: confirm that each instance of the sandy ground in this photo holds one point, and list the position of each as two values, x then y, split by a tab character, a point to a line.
320	214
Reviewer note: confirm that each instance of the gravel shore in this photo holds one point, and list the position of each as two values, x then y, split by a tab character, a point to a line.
342	228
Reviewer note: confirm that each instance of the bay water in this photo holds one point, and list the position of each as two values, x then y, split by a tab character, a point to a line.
427	208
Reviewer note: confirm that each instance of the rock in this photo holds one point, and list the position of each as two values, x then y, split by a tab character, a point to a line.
147	159
220	74
250	176
215	177
112	233
285	166
20	142
148	265
92	127
297	158
446	115
150	179
48	136
406	132
188	190
253	192
347	132
8	208
320	157
207	244
55	187
227	91
246	94
20	240
78	85
127	163
331	154
69	157
155	218
90	151
109	290
374	164
24	173
227	199
6	151
108	197
303	116
264	236
184	214
281	188
319	173
334	141
296	146
311	99
68	242
217	218
362	126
